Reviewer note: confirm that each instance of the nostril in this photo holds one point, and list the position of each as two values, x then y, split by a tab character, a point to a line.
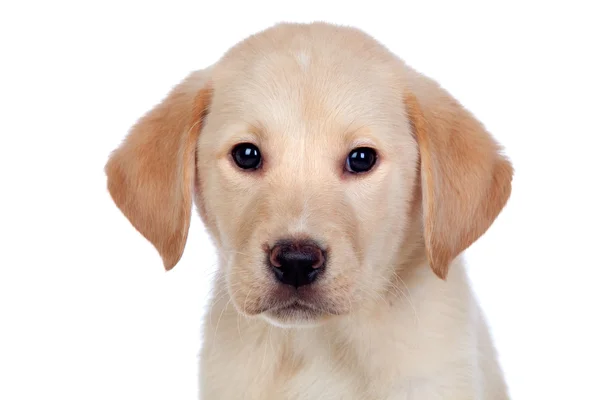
275	255
313	255
296	263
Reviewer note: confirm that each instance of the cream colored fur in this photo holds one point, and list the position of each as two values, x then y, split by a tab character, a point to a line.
393	316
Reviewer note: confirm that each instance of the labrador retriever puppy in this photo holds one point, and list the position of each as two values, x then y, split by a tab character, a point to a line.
340	187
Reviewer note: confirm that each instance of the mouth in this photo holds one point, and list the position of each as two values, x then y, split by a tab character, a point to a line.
294	313
295	306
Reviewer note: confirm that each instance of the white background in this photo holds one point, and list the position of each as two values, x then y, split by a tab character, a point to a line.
86	310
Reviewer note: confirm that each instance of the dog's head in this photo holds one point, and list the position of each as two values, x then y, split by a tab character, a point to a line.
320	163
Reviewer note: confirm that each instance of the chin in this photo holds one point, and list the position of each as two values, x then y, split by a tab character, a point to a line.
295	316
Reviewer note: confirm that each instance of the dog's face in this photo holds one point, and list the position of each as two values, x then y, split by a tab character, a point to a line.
316	158
308	176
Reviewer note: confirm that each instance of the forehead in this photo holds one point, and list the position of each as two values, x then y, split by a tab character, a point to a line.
306	85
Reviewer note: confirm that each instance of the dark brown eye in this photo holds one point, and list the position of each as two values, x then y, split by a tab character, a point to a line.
246	156
361	159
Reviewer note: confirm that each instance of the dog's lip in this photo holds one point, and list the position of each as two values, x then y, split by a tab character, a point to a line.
294	305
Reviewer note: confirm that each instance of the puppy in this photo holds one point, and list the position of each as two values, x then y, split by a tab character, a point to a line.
340	187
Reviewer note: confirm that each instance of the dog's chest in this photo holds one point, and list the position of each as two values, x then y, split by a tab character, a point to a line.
277	380
287	367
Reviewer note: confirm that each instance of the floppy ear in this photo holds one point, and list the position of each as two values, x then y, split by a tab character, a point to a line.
151	175
465	179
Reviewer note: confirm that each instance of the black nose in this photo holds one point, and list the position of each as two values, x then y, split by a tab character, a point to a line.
296	263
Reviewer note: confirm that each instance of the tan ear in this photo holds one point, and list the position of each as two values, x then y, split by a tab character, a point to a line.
465	179
151	175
